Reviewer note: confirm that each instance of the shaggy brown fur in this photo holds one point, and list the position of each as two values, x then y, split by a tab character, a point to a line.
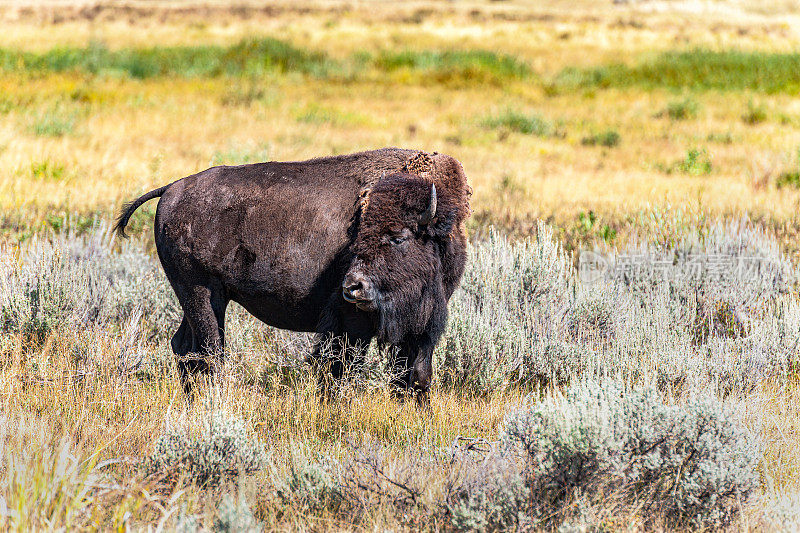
280	239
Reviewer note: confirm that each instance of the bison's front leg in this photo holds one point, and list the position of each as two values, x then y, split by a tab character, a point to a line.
338	351
343	335
415	356
414	367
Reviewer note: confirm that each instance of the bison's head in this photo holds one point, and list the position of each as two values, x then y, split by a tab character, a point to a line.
396	271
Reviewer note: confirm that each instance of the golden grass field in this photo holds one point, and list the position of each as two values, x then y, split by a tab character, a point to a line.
75	145
128	136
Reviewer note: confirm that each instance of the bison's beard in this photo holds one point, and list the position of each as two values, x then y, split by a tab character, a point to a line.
406	312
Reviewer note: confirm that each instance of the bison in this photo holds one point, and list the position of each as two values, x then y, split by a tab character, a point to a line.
353	247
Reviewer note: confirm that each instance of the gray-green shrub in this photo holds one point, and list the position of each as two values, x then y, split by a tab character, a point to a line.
691	464
487	493
81	281
522	316
222	449
512	304
235	516
310	485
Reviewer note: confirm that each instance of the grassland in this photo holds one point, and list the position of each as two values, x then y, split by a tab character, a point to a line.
609	121
94	113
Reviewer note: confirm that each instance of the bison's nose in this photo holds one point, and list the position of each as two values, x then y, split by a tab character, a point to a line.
356	289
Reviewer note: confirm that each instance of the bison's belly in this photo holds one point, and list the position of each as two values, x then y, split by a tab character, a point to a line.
287	290
277	312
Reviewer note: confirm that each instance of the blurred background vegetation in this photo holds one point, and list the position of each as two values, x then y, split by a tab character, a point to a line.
588	115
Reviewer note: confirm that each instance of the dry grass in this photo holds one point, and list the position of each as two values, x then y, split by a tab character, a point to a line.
72	436
129	136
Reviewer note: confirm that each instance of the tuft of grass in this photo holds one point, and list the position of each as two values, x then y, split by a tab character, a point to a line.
755	114
588	225
48	479
696	163
54	122
511	120
607	138
698	69
722	138
47	170
790	178
681	109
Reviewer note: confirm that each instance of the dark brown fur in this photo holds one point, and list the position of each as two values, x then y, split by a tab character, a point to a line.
279	239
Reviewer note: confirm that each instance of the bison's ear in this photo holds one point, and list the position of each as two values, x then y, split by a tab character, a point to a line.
442	225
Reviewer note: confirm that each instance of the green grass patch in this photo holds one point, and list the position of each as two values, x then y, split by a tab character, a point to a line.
721	138
696	163
249	57
258	57
681	109
697	69
790	178
755	114
54	122
47	170
607	138
511	120
453	66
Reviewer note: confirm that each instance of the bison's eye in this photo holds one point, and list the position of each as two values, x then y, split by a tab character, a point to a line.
399	237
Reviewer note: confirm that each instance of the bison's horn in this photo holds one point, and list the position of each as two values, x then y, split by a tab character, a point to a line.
426	217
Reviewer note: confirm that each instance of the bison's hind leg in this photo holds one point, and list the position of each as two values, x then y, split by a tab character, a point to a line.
182	345
200	340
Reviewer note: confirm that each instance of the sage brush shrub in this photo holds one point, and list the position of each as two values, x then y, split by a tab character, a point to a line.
782	514
690	312
487	493
690	464
221	450
702	305
186	523
81	281
594	311
513	302
311	485
235	516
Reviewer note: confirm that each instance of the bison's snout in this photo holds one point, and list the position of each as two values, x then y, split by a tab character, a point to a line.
357	290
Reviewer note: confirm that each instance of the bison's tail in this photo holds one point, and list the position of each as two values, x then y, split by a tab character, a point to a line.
130	207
